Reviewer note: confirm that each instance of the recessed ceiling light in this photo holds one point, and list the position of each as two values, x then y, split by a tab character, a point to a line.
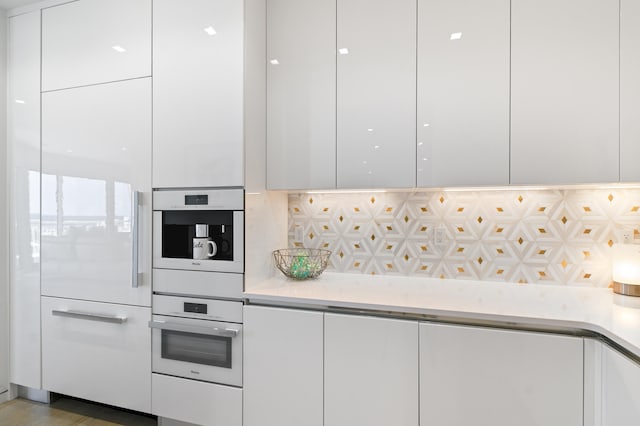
119	49
274	62
455	36
209	30
343	51
19	101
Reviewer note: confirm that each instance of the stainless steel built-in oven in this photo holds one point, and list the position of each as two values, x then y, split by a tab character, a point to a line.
197	339
199	230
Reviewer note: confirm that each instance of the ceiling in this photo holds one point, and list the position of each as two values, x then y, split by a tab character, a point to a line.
10	4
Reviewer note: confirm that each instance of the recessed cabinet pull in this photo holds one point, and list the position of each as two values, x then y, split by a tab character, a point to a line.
114	319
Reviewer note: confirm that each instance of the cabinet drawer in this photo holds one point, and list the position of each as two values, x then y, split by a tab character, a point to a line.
207	403
97	351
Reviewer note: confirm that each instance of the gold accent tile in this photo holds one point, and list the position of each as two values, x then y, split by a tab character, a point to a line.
499	209
460	229
441	199
522	281
389	265
461	269
389	247
500	251
406	257
480	260
325	227
423	248
586	209
610	243
356	246
542	252
373	237
635	208
460	249
564	263
356	228
297	210
341	254
564	220
542	230
423	229
460	209
424	209
310	200
541	209
424	267
442	276
586	276
311	235
587	254
297	244
373	200
389	209
356	265
325	245
499	230
500	272
389	228
341	218
542	274
479	219
326	209
406	219
587	231
520	199
356	209
520	241
610	197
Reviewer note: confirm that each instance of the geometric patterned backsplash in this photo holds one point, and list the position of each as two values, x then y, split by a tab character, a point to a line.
520	236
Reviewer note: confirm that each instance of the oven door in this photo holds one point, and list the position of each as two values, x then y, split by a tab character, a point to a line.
204	350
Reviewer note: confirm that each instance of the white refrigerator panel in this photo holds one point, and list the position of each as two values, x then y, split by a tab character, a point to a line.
96	151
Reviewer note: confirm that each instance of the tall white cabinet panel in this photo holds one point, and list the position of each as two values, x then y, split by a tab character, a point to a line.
23	163
97	351
486	377
620	389
564	91
95	41
301	94
198	93
371	371
283	364
376	94
463	92
629	90
96	153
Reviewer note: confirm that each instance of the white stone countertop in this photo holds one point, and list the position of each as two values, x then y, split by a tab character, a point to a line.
598	310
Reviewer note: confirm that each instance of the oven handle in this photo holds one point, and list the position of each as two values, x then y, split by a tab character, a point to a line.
213	331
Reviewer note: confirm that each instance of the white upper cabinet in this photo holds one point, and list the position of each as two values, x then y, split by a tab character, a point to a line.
370	371
96	153
23	164
564	91
487	377
198	59
376	93
463	92
301	94
629	90
95	41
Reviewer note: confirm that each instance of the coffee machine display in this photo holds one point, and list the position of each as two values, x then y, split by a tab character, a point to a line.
199	229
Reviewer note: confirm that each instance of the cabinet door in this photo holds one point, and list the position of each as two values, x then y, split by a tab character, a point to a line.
487	377
371	371
96	151
376	93
463	92
301	94
629	90
283	364
564	91
104	358
620	389
23	164
198	93
95	41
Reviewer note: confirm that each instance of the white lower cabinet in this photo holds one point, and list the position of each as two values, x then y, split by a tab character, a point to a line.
97	351
370	371
620	391
490	377
283	367
196	402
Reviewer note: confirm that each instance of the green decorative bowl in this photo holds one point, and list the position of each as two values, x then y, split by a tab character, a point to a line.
301	263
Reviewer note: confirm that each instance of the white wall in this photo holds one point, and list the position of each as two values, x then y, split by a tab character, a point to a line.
4	237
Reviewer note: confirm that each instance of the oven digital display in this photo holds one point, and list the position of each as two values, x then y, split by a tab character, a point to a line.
196	200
